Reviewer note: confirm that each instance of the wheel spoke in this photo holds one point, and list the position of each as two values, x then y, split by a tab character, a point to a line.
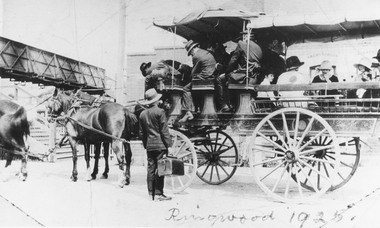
217	172
278	134
317	160
307	176
312	139
274	169
212	172
224	170
287	185
285	126
225	139
316	171
299	184
271	141
204	172
279	179
311	151
268	161
296	128
268	151
216	140
307	130
185	155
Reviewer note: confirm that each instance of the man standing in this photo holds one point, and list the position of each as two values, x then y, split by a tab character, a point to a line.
154	133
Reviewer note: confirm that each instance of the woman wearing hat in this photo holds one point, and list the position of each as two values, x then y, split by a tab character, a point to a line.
364	75
325	76
154	133
292	76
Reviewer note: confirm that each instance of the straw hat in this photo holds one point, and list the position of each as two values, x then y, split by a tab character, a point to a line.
364	62
190	45
151	96
325	65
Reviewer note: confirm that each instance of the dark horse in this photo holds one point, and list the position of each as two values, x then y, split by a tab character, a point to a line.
87	125
14	131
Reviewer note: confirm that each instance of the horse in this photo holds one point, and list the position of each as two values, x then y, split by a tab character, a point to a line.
111	123
14	132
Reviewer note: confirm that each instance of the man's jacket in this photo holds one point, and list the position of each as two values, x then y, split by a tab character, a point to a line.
154	130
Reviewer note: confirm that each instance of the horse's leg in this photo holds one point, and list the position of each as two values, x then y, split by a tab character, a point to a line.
128	159
73	144
87	158
23	172
117	149
96	164
106	150
7	171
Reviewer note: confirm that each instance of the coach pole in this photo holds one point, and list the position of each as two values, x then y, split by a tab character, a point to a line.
120	87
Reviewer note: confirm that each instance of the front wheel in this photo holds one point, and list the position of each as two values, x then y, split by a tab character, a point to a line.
218	157
182	149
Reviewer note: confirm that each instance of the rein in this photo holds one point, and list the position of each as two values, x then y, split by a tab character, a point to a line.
96	130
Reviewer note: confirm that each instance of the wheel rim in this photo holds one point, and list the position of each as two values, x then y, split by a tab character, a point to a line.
282	155
217	157
182	149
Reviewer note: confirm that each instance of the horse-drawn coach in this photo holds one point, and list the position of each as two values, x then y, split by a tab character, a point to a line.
297	148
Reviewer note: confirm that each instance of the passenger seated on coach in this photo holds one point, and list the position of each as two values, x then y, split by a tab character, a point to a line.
364	75
158	71
204	66
292	76
267	95
164	70
221	81
325	76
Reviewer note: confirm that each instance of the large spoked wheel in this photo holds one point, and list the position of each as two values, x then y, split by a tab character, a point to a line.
217	157
283	157
182	149
349	159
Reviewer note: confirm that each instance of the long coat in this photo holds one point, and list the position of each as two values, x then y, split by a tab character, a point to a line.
154	130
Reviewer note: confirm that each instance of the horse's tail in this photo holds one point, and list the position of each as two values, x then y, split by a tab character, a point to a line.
131	124
19	119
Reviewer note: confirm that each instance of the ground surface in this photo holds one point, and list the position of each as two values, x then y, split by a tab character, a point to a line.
49	198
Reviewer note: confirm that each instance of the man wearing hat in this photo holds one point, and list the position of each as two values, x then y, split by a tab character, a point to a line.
158	71
203	61
156	139
292	76
238	61
204	68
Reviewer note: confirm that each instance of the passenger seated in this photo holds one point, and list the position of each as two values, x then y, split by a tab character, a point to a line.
266	95
164	71
205	69
325	76
364	75
292	76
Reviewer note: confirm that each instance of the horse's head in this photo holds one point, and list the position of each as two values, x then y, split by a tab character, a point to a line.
59	103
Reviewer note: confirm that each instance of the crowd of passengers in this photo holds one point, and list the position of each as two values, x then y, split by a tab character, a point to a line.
266	65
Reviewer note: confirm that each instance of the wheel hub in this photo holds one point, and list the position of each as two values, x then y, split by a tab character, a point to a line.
290	156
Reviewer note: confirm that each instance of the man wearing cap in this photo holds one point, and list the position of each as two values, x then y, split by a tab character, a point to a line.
156	139
292	76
